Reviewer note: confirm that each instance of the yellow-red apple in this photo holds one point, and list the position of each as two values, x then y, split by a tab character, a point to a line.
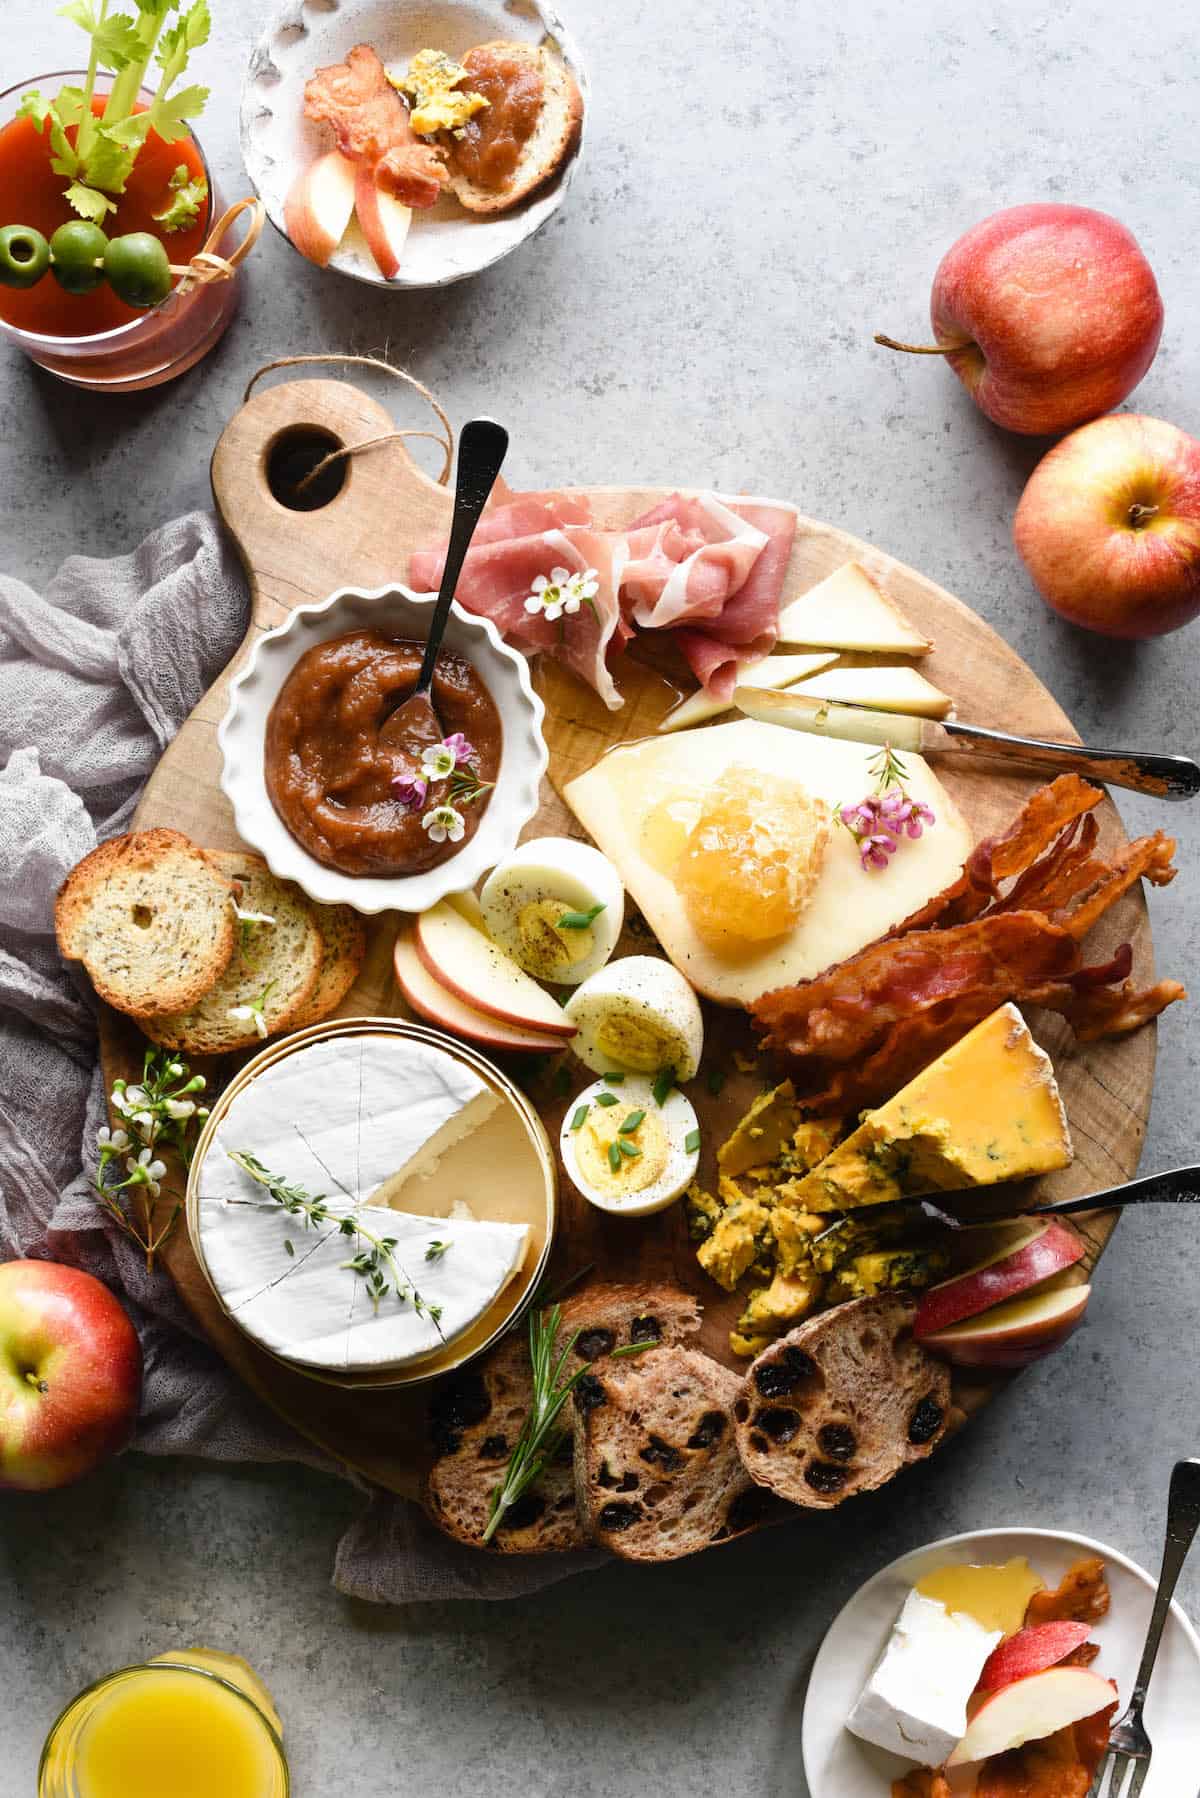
1031	1650
1109	527
431	1000
1017	1332
472	967
1048	314
384	220
1036	1252
1031	1709
70	1375
319	206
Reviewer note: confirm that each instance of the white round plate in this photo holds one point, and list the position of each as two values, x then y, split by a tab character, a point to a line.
838	1765
446	243
401	613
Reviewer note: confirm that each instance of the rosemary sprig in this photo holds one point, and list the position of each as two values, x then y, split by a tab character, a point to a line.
542	1435
375	1260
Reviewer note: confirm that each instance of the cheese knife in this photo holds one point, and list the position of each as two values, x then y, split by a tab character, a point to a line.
1175	1186
1159	776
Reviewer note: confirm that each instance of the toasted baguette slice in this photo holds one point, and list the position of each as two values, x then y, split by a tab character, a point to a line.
344	942
657	1474
151	918
554	137
281	960
842	1403
477	1416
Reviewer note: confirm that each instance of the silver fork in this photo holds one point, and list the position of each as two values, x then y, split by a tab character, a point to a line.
1129	1746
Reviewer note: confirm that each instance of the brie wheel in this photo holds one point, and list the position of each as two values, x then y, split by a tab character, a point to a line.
342	1119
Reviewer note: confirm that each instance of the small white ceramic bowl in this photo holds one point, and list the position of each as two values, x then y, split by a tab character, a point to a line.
401	613
446	243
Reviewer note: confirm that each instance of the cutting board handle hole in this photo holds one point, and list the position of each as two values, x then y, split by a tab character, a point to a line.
293	455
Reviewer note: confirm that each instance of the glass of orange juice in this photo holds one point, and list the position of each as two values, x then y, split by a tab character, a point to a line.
192	1724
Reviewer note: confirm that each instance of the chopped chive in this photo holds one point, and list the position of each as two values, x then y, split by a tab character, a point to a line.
716	1080
631	1122
606	1099
580	1113
628	1149
579	920
565	997
664	1082
289	1245
614	1158
562	1082
691	1141
614	1076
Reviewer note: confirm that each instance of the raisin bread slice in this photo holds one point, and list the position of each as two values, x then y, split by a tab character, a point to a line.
842	1403
477	1416
657	1473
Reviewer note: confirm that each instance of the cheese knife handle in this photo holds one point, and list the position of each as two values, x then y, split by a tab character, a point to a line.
1141	771
1177	1186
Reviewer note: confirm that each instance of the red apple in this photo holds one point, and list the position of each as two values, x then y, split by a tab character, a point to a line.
1049	315
319	206
1031	1709
476	970
1042	1249
70	1375
1031	1650
1016	1333
429	999
1109	527
384	220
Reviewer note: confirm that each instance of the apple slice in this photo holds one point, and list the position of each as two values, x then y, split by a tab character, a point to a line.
1030	1709
478	972
384	220
1031	1650
1044	1248
1016	1333
430	1000
319	206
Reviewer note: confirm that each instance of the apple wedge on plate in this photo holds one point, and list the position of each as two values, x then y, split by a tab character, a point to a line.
1030	1709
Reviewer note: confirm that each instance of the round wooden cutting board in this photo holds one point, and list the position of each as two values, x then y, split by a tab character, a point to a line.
385	509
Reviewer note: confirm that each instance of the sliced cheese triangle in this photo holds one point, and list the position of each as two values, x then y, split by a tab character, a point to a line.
986	1110
341	1119
897	689
771	671
849	610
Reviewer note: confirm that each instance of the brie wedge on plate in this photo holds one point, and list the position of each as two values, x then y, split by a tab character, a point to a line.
339	1120
915	1702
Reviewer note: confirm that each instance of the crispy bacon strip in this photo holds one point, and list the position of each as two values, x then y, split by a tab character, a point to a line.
1081	1597
862	1029
923	1782
371	124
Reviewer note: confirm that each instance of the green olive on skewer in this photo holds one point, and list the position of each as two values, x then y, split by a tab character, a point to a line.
80	257
24	256
77	253
138	269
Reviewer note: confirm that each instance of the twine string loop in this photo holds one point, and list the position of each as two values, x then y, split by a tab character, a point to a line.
445	437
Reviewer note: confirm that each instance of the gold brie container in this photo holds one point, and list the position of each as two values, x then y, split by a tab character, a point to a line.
523	1189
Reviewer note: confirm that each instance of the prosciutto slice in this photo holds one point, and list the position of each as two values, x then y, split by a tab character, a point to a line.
708	569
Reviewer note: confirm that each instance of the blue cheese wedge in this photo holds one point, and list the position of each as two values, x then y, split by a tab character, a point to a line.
341	1121
915	1702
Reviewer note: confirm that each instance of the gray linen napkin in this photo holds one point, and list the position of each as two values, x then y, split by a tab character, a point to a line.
96	676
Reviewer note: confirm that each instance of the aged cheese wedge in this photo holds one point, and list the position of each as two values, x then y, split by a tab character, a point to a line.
640	803
848	610
887	689
985	1111
342	1120
772	671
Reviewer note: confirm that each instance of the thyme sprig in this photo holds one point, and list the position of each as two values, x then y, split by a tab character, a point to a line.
158	1114
375	1261
542	1434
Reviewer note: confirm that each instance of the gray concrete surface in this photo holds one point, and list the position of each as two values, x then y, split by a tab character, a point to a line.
767	185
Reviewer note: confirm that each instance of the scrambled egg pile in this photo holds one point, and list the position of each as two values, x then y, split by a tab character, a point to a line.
755	1229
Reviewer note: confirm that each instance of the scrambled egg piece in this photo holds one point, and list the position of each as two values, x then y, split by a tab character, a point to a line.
438	102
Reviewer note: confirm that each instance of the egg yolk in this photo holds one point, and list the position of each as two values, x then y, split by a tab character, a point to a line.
547	947
640	1044
752	859
608	1167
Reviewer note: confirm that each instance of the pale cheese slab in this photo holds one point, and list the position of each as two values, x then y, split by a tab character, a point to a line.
898	689
623	800
849	610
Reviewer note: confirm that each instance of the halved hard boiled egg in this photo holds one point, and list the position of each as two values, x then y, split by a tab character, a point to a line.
638	1016
627	1153
557	907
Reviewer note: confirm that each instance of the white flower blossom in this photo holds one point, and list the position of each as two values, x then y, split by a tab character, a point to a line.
117	1140
180	1108
246	1014
437	762
251	917
444	824
563	592
146	1171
